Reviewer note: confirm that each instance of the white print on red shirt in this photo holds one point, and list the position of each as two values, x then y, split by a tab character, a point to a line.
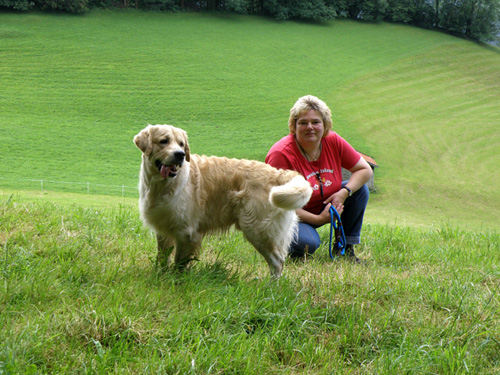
324	181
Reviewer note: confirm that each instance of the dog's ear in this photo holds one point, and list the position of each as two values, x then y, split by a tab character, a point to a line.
187	151
143	140
186	145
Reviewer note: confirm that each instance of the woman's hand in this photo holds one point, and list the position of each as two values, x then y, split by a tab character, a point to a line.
324	216
337	200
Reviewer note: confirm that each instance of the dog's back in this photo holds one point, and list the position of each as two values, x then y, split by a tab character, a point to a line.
284	189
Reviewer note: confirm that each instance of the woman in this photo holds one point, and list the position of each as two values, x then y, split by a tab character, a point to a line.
319	154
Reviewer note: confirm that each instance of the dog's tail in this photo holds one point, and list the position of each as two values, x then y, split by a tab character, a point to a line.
292	195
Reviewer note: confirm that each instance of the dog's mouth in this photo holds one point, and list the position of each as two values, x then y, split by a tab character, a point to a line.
167	170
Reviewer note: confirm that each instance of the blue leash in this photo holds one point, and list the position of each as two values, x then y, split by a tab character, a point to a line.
336	224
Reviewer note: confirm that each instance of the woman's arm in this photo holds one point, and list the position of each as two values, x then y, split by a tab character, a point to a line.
361	173
317	220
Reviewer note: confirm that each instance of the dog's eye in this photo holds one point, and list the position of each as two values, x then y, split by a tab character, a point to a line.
165	141
181	144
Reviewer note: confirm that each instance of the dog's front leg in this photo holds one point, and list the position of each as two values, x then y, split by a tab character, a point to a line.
187	248
165	248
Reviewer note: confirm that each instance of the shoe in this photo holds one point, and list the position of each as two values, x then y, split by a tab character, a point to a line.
350	256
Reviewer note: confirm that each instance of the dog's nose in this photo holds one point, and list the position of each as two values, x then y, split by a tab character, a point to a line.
179	155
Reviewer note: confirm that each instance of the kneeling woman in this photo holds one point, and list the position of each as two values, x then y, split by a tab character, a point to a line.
319	154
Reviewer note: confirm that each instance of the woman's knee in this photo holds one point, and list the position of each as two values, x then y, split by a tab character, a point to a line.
307	241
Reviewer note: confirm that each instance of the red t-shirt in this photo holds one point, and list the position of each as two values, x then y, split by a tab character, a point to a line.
335	154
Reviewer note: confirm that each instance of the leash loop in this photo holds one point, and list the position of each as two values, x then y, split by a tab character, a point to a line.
336	226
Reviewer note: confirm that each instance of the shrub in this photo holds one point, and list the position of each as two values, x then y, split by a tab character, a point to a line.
69	6
15	4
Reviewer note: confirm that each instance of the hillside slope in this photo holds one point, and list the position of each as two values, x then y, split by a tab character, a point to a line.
75	90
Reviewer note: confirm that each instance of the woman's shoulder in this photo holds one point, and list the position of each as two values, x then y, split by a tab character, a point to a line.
282	154
284	143
334	138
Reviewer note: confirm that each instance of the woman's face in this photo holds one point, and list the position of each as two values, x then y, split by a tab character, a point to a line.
309	127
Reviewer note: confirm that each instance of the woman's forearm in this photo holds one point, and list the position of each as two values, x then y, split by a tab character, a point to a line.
360	175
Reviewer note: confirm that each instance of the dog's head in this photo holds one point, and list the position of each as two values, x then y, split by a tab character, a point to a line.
164	147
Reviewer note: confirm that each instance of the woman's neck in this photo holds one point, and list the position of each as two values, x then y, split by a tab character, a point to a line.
311	151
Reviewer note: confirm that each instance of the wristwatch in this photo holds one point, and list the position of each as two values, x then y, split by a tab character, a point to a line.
348	190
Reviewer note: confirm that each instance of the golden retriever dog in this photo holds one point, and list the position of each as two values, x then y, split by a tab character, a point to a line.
185	196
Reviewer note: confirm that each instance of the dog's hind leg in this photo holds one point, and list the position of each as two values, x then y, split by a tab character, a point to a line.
275	262
272	253
274	259
165	248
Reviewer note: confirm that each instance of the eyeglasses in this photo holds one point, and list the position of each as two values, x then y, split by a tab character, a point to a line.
312	123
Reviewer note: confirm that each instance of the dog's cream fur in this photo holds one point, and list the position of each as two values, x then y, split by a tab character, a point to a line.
184	196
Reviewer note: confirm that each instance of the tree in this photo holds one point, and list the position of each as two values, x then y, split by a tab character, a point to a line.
481	19
476	19
367	10
238	6
412	12
69	6
400	11
315	10
15	4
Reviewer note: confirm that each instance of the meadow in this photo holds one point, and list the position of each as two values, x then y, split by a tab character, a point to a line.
80	292
75	90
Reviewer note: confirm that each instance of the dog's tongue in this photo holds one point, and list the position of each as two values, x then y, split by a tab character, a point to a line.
165	171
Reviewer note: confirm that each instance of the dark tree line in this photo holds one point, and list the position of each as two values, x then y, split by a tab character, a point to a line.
475	19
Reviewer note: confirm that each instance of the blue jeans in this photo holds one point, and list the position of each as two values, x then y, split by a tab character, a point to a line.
307	238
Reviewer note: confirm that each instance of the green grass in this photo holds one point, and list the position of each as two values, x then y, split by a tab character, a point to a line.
79	293
75	90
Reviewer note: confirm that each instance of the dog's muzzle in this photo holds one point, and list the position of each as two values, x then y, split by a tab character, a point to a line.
170	170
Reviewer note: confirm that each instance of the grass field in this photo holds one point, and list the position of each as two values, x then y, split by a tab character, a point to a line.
80	295
75	90
79	288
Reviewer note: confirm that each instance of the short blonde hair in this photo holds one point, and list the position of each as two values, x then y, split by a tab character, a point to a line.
307	103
